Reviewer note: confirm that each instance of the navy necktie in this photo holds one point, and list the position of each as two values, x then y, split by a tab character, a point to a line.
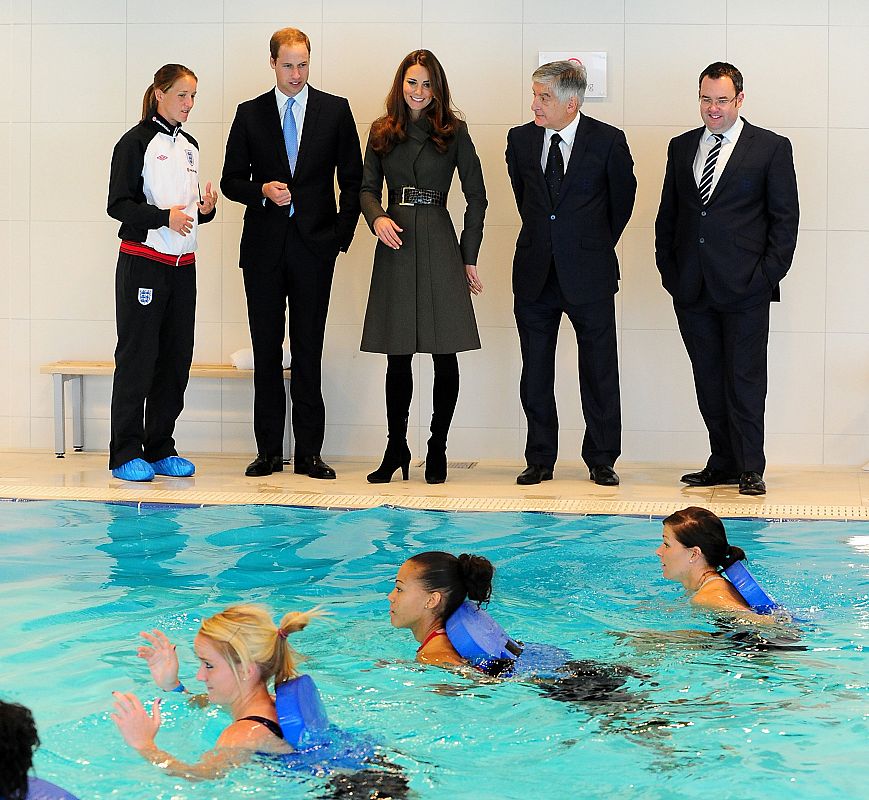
554	168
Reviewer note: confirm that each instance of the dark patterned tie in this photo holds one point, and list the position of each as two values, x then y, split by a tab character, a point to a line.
705	185
554	169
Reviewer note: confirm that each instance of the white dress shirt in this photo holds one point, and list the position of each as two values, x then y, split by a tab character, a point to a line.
727	145
298	109
568	135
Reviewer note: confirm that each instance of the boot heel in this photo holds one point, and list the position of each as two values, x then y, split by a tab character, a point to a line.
392	461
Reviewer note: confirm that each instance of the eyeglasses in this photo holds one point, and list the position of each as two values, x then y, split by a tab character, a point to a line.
706	102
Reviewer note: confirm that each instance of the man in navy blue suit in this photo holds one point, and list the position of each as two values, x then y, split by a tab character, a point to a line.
725	237
284	152
574	185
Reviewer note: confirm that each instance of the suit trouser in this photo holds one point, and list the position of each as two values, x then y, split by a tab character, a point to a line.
595	326
290	295
152	357
728	350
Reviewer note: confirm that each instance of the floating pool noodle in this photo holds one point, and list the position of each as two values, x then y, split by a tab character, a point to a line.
299	708
38	789
478	638
749	588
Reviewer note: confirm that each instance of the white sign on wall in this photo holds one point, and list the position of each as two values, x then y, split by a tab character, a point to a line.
594	63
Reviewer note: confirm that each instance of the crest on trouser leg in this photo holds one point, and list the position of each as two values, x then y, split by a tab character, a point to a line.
145	296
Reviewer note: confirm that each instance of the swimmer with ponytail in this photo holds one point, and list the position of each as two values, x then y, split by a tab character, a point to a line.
429	587
241	653
694	552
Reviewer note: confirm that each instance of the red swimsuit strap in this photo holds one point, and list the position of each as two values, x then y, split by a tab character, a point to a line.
438	632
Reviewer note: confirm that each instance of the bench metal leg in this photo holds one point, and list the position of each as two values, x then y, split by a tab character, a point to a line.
77	386
59	416
288	425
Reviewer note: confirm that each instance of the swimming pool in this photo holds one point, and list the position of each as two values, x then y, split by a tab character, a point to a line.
78	581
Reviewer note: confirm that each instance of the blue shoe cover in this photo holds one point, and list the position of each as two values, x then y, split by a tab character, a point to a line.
136	470
174	466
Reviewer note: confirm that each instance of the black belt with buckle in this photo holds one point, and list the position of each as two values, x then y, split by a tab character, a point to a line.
411	196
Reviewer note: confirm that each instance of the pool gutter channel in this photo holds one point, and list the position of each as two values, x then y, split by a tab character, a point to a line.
568	506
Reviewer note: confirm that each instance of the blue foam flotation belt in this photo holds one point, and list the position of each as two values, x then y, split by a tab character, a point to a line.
748	587
300	710
38	789
478	638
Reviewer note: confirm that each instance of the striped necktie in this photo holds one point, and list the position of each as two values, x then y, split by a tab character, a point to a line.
705	185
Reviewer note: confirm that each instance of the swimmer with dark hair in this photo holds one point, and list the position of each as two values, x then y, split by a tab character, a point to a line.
694	552
429	587
18	742
240	651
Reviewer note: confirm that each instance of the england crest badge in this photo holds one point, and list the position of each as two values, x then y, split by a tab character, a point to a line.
145	296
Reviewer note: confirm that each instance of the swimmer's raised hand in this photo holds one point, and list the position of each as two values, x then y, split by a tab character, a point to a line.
162	659
136	725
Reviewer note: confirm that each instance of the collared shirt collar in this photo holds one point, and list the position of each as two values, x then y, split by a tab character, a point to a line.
567	133
730	135
301	98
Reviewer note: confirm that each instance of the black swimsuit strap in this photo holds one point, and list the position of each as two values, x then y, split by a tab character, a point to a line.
268	723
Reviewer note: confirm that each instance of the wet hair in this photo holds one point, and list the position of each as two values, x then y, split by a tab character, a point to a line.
391	129
698	527
721	69
455	578
565	79
245	635
18	742
287	37
164	78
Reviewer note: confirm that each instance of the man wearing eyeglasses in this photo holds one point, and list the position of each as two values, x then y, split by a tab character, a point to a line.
725	237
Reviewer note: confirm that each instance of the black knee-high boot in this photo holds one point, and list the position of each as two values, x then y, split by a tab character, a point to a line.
399	391
445	397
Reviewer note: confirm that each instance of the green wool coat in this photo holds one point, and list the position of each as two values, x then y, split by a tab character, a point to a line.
419	300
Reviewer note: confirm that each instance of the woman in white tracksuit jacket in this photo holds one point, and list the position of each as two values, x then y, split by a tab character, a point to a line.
154	193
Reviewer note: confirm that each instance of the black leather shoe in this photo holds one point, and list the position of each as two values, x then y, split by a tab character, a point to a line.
264	465
603	475
710	477
751	483
313	467
534	473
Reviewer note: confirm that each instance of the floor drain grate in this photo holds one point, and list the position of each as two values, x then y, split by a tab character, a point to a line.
452	464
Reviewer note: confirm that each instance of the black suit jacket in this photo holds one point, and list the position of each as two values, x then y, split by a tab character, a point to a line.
580	233
256	154
741	243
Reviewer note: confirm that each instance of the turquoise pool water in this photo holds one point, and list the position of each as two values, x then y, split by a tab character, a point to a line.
705	716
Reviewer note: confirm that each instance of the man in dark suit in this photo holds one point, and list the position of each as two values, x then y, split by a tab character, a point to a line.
724	238
283	153
574	185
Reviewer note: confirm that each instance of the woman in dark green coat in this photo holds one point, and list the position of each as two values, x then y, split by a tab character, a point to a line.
419	300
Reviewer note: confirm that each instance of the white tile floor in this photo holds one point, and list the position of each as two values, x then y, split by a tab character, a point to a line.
806	492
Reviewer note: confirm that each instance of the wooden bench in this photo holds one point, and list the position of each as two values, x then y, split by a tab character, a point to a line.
74	371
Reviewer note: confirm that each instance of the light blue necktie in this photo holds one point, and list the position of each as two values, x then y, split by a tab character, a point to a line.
291	139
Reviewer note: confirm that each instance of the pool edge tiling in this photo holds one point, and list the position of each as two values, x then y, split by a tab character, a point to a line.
562	505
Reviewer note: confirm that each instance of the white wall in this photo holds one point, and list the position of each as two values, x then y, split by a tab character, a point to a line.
71	79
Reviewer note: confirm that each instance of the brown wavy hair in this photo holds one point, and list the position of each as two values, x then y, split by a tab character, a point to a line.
391	129
163	80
